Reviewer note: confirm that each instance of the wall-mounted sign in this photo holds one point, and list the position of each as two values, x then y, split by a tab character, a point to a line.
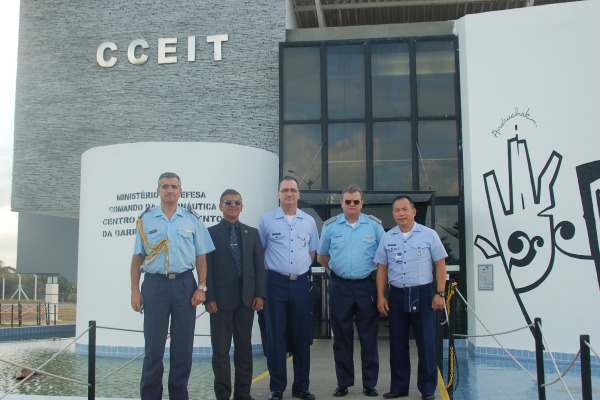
485	276
166	50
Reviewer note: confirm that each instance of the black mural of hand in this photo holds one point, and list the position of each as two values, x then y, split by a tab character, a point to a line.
522	219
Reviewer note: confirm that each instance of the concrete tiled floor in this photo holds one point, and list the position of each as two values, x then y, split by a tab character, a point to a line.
322	374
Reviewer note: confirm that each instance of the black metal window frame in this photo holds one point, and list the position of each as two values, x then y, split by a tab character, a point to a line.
413	119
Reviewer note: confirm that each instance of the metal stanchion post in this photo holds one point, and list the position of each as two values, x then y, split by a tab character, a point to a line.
451	348
586	368
20	313
539	359
12	315
92	361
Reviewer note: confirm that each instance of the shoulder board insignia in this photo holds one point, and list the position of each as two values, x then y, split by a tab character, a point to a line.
144	212
329	221
194	213
374	218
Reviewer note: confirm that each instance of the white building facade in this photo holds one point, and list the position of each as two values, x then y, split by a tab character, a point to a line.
488	121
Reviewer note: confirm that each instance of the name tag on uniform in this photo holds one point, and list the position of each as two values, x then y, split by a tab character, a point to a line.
419	253
152	231
398	257
276	235
391	246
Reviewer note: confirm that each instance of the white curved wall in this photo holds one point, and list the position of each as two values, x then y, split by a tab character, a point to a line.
125	176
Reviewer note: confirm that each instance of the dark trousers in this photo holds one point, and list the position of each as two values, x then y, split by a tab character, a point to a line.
422	323
288	300
225	325
163	299
354	302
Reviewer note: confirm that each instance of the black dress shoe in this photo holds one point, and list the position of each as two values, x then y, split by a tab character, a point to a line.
275	395
340	391
370	391
394	395
428	396
303	394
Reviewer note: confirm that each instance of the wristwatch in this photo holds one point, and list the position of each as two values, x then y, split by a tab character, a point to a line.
441	294
202	287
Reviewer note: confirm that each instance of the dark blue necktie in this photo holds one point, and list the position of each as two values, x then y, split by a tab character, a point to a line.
235	247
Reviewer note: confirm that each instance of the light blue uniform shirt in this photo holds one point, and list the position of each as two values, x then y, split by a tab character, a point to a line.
410	261
351	249
287	245
187	236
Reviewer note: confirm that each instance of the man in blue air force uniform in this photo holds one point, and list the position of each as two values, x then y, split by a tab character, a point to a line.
290	238
405	258
170	242
347	247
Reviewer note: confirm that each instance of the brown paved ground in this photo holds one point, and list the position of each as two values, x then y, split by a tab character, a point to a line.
66	313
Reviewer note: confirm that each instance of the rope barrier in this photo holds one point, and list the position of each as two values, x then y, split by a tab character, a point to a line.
554	362
119	329
496	340
452	355
38	371
592	349
451	368
43	365
566	371
139	355
497	334
121	367
141	331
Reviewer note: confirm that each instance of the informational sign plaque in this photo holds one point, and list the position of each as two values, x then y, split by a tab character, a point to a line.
485	275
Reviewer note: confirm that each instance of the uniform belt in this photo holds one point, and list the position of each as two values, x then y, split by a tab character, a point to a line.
169	275
333	274
286	276
401	289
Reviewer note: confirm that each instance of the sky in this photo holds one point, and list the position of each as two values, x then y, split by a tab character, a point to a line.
9	32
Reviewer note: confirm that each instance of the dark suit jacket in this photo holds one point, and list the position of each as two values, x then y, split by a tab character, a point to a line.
222	280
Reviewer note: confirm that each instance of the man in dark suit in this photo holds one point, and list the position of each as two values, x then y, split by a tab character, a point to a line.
235	290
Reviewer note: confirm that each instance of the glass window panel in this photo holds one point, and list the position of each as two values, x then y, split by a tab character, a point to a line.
392	156
390	79
381	211
446	225
345	82
302	154
435	78
301	83
438	152
347	155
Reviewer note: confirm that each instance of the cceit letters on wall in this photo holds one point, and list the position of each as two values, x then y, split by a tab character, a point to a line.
166	47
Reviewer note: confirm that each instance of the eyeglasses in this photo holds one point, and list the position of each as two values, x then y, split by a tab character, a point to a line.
230	202
348	202
286	190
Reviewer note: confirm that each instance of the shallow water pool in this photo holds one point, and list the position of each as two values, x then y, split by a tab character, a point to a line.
123	384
